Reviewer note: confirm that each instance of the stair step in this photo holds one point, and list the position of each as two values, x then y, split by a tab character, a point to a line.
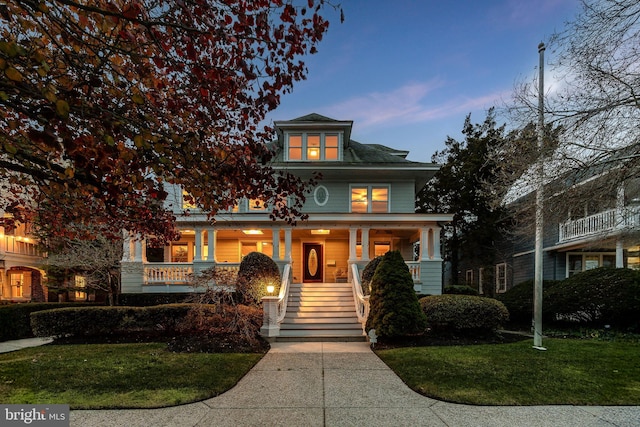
320	332
322	338
321	325
321	321
319	314
313	304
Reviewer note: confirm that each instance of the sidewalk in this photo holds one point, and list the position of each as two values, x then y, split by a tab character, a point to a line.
343	384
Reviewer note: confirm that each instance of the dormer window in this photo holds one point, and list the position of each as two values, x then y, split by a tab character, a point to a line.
313	146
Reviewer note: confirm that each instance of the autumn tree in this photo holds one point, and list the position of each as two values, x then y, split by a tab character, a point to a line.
102	102
96	260
593	100
459	188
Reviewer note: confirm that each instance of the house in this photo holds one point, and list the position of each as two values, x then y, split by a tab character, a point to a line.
21	279
363	207
582	232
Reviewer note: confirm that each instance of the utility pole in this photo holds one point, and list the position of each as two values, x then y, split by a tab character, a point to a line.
538	276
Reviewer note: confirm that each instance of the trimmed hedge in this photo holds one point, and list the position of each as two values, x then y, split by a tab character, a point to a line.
394	308
598	297
145	300
97	321
463	313
255	273
367	274
460	290
15	320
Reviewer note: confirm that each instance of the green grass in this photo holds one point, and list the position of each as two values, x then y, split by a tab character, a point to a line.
117	375
577	372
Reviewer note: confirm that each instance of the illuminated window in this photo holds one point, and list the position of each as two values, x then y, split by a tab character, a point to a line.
179	252
313	146
17	284
186	204
80	283
295	147
369	199
381	248
256	205
262	247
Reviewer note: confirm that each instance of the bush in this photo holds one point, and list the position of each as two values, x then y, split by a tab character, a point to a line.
394	308
15	320
460	290
367	274
106	321
519	301
143	300
256	272
464	313
603	296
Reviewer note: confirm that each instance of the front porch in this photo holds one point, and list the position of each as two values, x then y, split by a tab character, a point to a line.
335	249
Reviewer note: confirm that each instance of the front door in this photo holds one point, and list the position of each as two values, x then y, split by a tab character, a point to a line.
312	263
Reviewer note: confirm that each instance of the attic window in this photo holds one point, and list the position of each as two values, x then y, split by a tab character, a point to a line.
316	146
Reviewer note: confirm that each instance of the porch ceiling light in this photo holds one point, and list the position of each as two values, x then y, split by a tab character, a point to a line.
320	231
252	232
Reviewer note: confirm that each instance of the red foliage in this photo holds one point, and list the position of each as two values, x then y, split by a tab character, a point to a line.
103	101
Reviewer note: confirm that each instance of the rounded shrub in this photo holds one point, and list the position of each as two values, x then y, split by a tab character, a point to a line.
460	290
367	274
256	272
464	313
519	301
394	307
598	297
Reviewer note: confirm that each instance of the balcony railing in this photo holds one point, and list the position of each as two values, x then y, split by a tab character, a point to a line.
19	246
602	222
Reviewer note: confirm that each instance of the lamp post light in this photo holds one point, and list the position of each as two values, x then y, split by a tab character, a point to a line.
270	289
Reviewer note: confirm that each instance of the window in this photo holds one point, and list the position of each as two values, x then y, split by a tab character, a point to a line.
501	278
578	262
317	146
321	195
262	247
186	204
80	283
17	284
179	252
369	199
257	205
381	248
469	277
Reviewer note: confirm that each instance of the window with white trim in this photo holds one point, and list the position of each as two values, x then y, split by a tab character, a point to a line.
501	278
582	261
313	146
80	283
369	198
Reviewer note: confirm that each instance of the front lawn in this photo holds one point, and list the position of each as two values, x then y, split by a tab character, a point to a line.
577	372
117	375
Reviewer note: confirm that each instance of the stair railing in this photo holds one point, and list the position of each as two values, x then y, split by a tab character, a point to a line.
360	300
283	296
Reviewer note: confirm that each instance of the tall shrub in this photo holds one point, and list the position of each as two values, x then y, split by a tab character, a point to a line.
395	310
256	272
367	274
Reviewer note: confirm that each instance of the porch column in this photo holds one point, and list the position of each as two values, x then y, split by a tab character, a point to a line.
424	244
436	243
287	244
365	244
197	256
353	241
619	253
275	241
211	244
126	247
137	250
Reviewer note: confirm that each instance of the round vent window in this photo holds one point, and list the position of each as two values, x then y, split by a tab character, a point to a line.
321	195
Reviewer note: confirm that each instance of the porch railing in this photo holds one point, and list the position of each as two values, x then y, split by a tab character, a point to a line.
19	246
414	268
168	273
602	222
360	300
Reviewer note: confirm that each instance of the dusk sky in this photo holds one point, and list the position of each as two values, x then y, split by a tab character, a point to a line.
407	72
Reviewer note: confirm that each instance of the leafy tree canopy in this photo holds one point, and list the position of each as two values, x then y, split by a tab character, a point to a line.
102	102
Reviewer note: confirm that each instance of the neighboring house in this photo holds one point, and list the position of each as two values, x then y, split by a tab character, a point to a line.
582	236
363	207
21	279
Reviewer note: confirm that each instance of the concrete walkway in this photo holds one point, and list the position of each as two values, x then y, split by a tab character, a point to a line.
338	384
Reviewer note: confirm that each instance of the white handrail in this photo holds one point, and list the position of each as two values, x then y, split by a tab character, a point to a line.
283	296
360	300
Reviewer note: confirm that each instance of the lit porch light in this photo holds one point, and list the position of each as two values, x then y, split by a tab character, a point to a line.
270	289
252	232
320	231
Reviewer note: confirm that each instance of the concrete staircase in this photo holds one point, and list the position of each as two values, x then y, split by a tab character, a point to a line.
320	312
